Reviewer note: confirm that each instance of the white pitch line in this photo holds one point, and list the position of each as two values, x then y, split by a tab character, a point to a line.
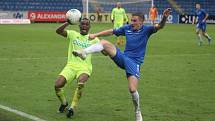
21	113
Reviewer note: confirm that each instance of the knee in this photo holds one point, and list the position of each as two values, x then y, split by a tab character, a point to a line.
132	90
104	42
83	78
203	33
59	83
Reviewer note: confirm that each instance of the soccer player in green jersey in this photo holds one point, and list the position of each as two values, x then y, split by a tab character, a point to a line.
118	17
76	68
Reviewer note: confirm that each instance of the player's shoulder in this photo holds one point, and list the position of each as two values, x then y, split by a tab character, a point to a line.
114	9
122	8
147	26
71	31
202	10
127	26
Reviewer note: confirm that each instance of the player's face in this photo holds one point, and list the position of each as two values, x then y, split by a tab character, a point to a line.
84	27
136	22
118	5
197	6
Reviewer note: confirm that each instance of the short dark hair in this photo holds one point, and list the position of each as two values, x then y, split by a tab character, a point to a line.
197	3
140	15
81	19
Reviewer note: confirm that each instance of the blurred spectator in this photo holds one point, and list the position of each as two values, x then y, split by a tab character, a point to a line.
99	15
153	13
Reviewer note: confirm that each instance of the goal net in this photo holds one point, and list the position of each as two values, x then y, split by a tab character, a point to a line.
91	8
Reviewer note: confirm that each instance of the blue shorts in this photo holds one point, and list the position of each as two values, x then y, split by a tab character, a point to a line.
201	26
130	66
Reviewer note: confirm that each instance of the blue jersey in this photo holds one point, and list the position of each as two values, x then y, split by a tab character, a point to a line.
136	41
200	13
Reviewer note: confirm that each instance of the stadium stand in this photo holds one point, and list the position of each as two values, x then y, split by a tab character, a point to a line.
186	6
189	6
44	5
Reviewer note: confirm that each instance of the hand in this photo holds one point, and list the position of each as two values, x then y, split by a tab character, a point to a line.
167	12
92	36
68	21
203	21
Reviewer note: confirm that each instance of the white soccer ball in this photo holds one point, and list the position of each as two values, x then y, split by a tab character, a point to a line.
73	15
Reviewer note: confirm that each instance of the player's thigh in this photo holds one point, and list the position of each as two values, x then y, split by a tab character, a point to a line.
119	59
69	73
109	48
83	76
132	68
203	28
198	28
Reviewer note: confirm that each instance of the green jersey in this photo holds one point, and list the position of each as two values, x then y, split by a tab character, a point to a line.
77	42
119	15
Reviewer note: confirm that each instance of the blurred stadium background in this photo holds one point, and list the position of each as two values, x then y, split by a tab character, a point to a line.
177	80
54	10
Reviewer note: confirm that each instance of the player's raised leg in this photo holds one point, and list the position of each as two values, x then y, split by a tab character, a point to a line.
108	47
59	84
77	94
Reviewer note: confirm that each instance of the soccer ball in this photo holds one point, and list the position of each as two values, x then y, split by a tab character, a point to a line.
73	15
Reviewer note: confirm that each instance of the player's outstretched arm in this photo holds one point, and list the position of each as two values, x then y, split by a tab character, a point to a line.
101	34
206	17
194	20
61	29
162	23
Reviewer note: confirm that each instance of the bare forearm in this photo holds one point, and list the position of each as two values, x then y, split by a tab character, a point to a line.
105	33
206	17
166	13
61	30
194	20
162	23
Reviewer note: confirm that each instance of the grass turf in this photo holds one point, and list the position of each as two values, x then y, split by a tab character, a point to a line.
177	79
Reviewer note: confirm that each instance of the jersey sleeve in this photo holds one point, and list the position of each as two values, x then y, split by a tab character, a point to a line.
119	31
112	14
125	16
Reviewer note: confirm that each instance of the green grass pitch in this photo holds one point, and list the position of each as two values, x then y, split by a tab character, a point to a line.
177	79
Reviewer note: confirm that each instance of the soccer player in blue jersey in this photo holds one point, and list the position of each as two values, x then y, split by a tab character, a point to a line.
130	60
201	17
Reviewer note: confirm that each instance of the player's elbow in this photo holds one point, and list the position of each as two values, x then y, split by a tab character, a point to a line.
58	31
158	26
